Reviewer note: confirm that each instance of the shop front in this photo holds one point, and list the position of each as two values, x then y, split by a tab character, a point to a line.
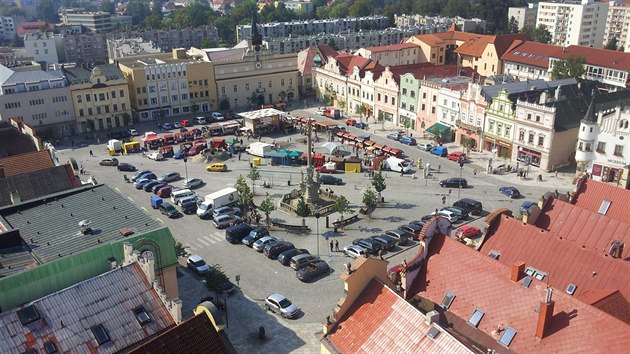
610	171
497	146
526	155
467	135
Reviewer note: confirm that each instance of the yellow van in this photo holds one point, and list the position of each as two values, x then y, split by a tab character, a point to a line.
217	167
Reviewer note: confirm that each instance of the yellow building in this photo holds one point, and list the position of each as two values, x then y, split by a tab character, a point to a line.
100	97
165	85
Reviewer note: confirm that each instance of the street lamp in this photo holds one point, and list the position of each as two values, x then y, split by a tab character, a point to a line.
317	215
186	168
461	168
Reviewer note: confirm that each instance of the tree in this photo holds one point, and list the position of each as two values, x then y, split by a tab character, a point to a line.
407	124
180	250
126	118
573	66
138	10
135	117
342	206
381	118
48	11
90	125
303	210
333	44
369	199
215	278
108	6
512	26
194	108
378	182
539	34
253	99
253	175
282	95
360	8
208	43
361	109
245	196
454	8
267	206
224	104
612	43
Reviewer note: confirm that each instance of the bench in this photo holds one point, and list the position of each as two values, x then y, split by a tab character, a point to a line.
297	228
348	221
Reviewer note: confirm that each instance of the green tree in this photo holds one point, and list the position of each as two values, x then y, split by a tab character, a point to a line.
224	104
542	35
381	118
573	66
48	11
267	206
208	43
126	118
360	8
180	250
407	124
282	95
194	108
369	200
303	211
253	99
108	6
215	278
378	182
135	117
138	10
342	206
253	175
612	43
245	196
512	26
454	8
333	44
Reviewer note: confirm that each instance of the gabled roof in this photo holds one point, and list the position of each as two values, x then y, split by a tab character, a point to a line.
380	321
324	51
80	75
13	142
25	163
391	47
481	282
195	335
591	194
530	53
347	62
68	316
514	88
427	71
596	56
39	183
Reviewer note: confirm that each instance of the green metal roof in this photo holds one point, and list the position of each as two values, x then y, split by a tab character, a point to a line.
438	129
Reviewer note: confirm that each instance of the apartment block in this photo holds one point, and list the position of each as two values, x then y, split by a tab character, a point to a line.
38	98
98	22
8	26
618	24
44	47
85	49
524	16
100	95
463	24
574	22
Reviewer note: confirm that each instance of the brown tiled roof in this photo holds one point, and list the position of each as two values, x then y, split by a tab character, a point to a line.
596	56
380	321
592	193
503	42
195	335
25	163
347	62
325	51
481	282
475	45
391	47
610	301
427	70
530	53
39	183
431	40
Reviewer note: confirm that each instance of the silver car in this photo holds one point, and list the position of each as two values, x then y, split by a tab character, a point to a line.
261	243
354	251
223	221
192	183
281	305
226	210
169	177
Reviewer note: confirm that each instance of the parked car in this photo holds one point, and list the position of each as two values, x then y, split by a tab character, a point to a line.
226	210
425	146
411	230
165	191
167	126
454	182
148	187
511	192
285	257
312	270
185	123
192	183
139	183
328	179
169	210
394	136
197	264
156	155
177	125
399	235
139	174
127	167
407	140
351	122
321	112
461	213
449	215
272	250
224	221
354	251
457	156
217	116
301	260
260	244
524	208
217	167
473	206
467	231
361	125
439	151
388	242
418	222
109	162
281	305
133	132
157	187
255	235
169	177
189	207
372	246
235	234
180	154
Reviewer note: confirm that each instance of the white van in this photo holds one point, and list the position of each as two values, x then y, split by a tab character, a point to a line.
183	193
200	120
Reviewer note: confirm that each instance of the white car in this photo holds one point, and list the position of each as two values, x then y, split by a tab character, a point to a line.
197	264
217	116
261	243
449	215
425	146
354	251
133	132
156	156
321	112
177	125
226	210
281	305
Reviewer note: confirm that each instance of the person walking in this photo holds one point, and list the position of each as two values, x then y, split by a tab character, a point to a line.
331	246
91	153
337	245
239	156
380	253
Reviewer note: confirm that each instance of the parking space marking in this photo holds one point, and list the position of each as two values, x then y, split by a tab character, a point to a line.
204	242
211	239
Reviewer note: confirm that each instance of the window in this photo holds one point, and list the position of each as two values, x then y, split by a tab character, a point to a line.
113	94
28	315
476	317
412	93
115	106
434	98
494	254
618	150
447	300
571	288
223	90
247	87
235	88
508	130
537	118
404	91
507	336
281	82
88	98
491	126
122	93
531	138
412	108
521	135
142	316
90	111
601	147
603	208
81	112
100	334
529	116
50	348
270	84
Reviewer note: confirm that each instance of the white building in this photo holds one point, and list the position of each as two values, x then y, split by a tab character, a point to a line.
38	98
574	22
44	46
618	24
94	21
463	24
8	24
524	16
449	98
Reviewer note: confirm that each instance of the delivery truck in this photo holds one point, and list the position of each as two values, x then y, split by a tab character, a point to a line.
396	164
259	149
115	145
212	201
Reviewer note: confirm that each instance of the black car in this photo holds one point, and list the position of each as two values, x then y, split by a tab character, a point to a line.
372	246
169	210
140	174
473	206
411	230
455	182
157	187
126	167
328	179
285	257
387	241
254	235
148	187
274	249
418	222
235	234
312	270
399	235
189	207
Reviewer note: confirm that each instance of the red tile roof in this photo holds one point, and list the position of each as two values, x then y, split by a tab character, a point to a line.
380	321
479	281
591	194
595	56
39	183
195	335
391	47
427	70
25	163
325	51
31	27
347	62
530	53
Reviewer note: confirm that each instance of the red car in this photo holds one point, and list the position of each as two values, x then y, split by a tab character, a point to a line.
185	123
456	156
467	232
164	192
351	122
325	169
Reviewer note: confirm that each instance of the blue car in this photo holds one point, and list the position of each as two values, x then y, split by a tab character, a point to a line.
180	154
361	125
525	206
407	140
439	150
510	192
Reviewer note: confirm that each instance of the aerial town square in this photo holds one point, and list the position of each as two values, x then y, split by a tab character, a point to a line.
298	176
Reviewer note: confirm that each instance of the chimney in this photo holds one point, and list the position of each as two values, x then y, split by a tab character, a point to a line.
2	171
543	97
432	317
545	315
518	269
148	267
15	197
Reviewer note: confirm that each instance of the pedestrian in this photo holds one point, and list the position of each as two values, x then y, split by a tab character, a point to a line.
439	168
401	173
331	245
404	263
239	156
337	245
81	169
475	172
91	154
241	141
380	253
556	174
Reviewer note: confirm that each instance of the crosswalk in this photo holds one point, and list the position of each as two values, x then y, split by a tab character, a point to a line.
205	241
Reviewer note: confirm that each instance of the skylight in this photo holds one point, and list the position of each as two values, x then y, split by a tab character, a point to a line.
28	315
50	347
447	300
433	332
100	334
476	317
494	254
527	281
507	336
603	209
142	316
571	288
